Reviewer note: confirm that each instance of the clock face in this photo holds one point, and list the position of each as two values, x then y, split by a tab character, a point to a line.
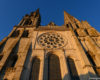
51	40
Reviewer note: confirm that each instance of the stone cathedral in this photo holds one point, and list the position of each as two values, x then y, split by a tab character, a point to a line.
51	52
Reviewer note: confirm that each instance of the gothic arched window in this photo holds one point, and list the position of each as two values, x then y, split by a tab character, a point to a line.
35	68
13	60
72	69
77	26
15	33
70	25
25	33
67	25
54	71
28	22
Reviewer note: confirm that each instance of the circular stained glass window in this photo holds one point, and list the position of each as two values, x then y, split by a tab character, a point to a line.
51	40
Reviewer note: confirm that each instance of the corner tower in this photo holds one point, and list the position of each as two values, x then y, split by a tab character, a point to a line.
35	52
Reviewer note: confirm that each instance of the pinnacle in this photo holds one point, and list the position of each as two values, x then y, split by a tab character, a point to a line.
37	10
65	13
52	24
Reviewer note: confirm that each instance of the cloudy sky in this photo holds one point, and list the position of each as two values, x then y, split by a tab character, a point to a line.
12	11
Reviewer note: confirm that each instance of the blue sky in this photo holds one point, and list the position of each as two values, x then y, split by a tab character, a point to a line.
12	11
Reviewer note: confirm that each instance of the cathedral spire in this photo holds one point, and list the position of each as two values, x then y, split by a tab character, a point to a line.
35	14
31	20
37	10
67	18
72	20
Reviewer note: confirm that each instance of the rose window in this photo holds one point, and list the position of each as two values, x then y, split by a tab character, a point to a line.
51	40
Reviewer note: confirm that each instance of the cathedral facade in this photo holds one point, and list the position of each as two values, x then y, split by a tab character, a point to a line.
51	52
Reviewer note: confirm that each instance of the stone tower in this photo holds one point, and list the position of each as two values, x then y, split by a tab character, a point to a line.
51	52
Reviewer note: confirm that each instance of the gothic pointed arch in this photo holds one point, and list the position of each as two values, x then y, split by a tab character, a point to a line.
35	68
15	33
54	71
28	22
25	34
72	69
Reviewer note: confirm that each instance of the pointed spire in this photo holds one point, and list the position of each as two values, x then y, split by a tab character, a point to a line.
35	13
33	19
70	19
66	14
66	18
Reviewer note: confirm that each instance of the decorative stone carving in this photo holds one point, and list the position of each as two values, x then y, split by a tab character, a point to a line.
51	40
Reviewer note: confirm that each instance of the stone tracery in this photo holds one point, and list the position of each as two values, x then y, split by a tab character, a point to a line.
51	40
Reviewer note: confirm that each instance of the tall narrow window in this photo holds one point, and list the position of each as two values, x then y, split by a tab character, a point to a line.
67	25
70	25
25	33
28	22
54	71
86	32
77	26
13	60
76	33
34	75
72	69
15	33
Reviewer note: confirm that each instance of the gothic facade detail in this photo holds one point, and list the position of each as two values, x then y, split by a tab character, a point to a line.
51	40
35	52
